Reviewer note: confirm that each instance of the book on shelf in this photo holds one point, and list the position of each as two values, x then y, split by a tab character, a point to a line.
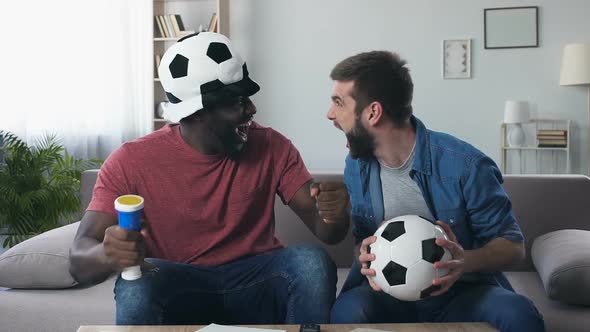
552	145
551	137
181	29
553	141
175	25
179	22
213	23
158	30
164	27
551	132
170	26
157	59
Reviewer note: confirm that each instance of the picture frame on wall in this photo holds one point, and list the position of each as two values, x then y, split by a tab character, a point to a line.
456	58
511	27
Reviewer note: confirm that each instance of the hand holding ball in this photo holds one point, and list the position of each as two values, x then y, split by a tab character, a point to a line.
405	252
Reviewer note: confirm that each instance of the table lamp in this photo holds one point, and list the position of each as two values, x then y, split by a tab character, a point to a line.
575	70
516	113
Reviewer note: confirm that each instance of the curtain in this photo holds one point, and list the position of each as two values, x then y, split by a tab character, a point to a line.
82	69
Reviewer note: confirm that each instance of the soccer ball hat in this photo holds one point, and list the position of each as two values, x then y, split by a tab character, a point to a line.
199	71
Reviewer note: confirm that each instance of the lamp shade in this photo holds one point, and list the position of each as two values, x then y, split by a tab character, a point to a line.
516	112
575	64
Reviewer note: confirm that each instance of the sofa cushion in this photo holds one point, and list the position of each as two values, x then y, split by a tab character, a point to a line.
563	261
39	262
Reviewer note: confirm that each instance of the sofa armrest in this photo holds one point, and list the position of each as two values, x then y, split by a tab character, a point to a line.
87	182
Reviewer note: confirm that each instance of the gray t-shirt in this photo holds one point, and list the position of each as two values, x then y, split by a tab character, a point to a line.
401	195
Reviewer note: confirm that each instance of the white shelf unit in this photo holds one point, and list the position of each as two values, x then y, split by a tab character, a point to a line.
194	13
159	39
532	159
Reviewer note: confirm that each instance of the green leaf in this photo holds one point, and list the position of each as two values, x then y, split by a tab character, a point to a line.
39	185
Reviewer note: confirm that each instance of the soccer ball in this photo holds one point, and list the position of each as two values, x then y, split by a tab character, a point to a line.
405	252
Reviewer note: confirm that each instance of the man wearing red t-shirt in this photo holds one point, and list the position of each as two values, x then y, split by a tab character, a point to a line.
209	185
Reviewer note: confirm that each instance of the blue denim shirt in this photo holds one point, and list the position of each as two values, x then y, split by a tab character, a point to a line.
461	186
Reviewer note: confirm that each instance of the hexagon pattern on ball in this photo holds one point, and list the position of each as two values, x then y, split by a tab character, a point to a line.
393	230
380	261
431	252
395	274
218	52
404	266
179	66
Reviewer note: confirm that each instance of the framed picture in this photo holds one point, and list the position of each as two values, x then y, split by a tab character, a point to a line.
456	58
511	27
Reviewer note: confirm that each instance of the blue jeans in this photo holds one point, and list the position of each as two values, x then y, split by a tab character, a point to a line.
294	285
464	302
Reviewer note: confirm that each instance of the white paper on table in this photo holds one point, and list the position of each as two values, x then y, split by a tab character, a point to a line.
231	328
363	329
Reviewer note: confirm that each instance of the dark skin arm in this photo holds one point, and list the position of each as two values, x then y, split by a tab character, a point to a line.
323	208
102	248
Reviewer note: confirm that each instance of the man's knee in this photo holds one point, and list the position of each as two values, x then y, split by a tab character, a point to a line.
136	300
313	268
509	311
517	313
348	309
132	291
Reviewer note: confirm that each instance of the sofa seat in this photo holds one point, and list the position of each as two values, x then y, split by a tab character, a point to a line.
57	309
96	306
67	309
558	316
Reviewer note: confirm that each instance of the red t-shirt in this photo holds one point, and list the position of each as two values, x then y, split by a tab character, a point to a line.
203	209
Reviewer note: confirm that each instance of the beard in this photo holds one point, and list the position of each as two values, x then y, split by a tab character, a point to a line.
361	143
236	138
232	144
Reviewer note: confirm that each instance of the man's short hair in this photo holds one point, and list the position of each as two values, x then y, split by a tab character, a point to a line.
379	76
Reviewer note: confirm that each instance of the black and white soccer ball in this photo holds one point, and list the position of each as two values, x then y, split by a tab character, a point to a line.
196	69
405	252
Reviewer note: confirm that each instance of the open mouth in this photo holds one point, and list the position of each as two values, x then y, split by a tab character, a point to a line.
242	131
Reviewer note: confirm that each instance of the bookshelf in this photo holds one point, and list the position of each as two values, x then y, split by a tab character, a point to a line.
546	150
194	14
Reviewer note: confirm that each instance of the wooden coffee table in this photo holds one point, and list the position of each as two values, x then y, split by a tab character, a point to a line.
420	327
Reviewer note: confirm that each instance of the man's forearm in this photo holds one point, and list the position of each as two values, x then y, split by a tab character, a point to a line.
494	256
88	261
334	231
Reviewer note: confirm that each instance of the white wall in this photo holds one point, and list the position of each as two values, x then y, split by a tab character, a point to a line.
291	46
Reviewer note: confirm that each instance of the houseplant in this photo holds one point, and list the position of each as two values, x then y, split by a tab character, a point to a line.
39	186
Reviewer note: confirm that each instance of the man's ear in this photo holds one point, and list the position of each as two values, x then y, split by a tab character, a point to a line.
375	113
